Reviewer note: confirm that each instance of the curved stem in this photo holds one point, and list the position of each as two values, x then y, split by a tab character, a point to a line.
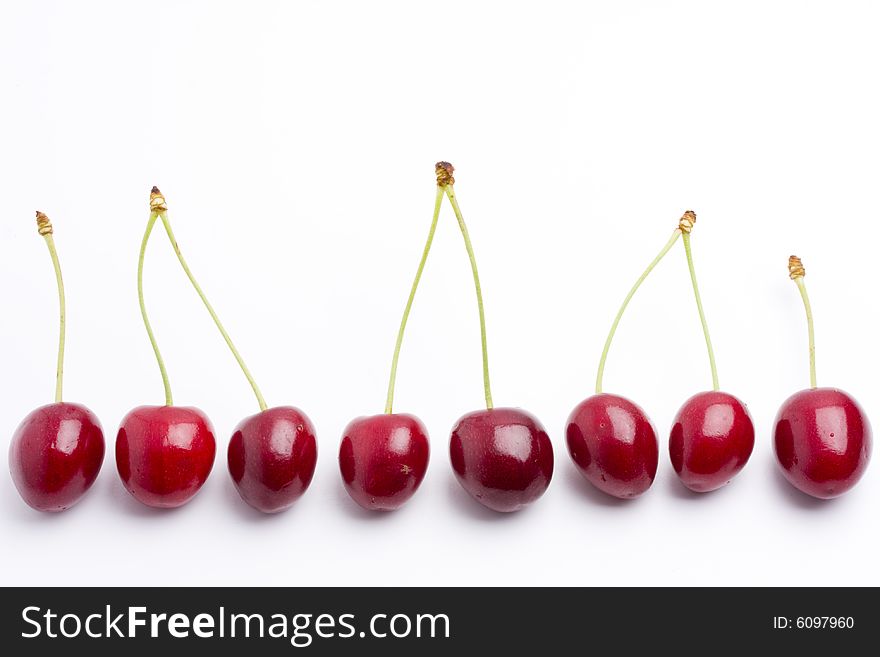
686	238
59	371
675	235
470	250
262	402
389	401
812	336
152	221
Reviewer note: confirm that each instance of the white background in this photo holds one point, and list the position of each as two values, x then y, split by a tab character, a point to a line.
295	144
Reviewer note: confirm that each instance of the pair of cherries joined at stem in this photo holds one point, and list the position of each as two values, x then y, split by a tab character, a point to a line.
822	437
58	449
614	444
501	456
164	454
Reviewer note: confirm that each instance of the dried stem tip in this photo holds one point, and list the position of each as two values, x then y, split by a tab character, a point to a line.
44	226
795	268
687	221
444	174
157	201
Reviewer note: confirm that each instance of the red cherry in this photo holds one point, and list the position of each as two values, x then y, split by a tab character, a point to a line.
822	441
383	459
57	450
614	445
502	457
164	454
272	458
711	440
55	455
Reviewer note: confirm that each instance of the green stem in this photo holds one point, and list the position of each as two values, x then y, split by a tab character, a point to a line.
168	399
675	235
262	402
812	336
686	238
470	250
59	371
389	402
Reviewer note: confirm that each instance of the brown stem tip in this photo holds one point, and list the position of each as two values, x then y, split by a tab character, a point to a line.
687	221
44	226
157	201
795	268
444	174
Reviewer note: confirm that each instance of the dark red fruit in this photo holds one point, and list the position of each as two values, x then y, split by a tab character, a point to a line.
822	441
272	458
613	444
55	455
502	457
711	440
164	454
383	459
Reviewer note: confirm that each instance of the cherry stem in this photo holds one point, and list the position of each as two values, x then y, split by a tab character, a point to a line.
797	273
44	227
389	402
686	238
672	240
450	193
163	215
169	401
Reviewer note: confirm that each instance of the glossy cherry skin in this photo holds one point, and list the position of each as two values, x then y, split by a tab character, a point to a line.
711	440
613	444
55	455
272	458
822	441
502	457
164	454
383	459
